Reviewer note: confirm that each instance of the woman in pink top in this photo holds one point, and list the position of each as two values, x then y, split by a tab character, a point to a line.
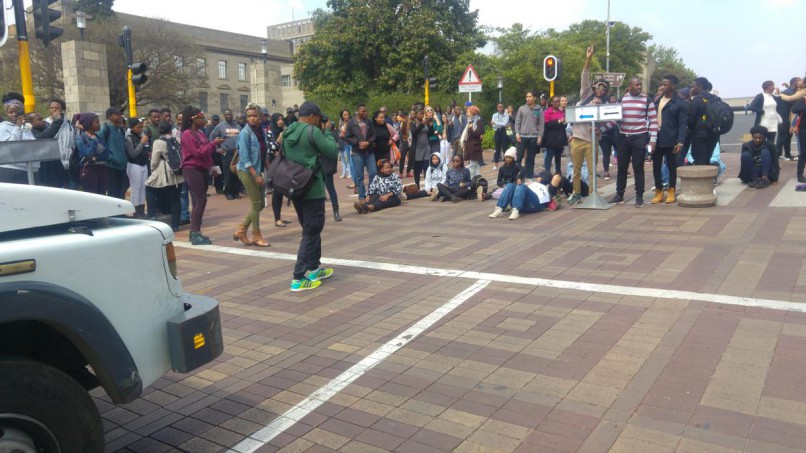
554	139
197	158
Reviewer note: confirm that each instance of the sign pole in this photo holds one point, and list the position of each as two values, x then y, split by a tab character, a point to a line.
594	201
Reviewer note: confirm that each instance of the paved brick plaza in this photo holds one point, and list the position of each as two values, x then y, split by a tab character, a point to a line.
518	366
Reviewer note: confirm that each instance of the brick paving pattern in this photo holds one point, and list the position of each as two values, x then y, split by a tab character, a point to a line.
516	368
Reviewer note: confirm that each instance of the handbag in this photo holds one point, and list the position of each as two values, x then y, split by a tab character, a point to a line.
394	153
289	178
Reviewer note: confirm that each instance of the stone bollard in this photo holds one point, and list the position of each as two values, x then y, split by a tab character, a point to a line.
697	186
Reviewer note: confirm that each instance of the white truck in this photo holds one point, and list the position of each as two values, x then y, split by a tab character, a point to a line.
88	298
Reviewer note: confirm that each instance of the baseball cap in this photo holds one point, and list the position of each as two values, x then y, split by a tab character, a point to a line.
309	108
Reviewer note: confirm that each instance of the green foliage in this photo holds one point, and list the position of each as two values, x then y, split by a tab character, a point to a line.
669	62
94	8
487	140
379	45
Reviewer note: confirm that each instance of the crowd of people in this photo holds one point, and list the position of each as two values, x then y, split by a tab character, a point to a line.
167	163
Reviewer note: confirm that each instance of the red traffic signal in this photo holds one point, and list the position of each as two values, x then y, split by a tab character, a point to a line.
552	68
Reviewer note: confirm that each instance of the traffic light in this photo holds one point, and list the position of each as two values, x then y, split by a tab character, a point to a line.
43	16
139	73
552	68
432	82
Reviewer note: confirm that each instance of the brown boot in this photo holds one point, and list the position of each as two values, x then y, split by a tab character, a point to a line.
670	196
658	196
257	239
240	235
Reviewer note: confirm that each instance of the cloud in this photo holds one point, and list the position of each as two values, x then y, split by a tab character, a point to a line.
536	15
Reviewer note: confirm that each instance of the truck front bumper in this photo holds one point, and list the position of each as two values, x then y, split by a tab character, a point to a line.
194	336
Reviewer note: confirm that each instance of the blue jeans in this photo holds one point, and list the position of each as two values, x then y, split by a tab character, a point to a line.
358	163
525	201
748	170
184	203
506	195
529	145
664	171
344	153
555	154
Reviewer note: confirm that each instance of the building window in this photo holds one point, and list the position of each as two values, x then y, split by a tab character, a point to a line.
242	72
244	101
203	101
286	80
222	69
224	101
201	66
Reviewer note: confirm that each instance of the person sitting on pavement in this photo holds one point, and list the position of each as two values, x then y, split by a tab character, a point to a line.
457	182
433	176
529	196
383	192
510	173
756	161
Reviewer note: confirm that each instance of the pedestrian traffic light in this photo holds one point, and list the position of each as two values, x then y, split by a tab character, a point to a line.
43	16
552	68
139	73
432	82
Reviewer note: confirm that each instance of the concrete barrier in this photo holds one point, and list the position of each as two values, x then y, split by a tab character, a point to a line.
697	183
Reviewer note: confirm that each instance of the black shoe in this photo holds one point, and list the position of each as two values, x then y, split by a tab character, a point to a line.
230	197
617	199
801	178
639	202
455	199
336	216
196	238
219	191
762	183
237	196
184	222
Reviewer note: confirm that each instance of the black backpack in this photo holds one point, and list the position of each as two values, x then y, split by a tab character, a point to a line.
718	115
173	155
290	179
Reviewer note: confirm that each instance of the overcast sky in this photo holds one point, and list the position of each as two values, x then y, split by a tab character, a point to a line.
737	44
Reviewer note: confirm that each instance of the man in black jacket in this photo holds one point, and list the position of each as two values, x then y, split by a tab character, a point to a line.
359	134
672	130
703	139
784	137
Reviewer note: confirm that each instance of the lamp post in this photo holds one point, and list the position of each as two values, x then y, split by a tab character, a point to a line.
500	87
81	22
607	63
264	49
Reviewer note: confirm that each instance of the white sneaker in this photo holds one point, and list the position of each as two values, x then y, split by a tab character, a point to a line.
434	195
514	214
403	196
495	168
497	213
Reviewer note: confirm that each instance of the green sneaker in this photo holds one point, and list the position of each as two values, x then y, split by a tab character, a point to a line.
303	284
319	274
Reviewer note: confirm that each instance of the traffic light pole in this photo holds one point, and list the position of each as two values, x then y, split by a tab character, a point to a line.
425	68
551	90
24	56
127	47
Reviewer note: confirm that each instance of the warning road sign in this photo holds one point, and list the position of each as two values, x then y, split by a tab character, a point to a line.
470	77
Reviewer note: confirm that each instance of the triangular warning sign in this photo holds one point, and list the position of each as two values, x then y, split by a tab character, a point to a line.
470	77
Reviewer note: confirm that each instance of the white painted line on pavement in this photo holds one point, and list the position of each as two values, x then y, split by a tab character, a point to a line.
528	281
309	404
728	190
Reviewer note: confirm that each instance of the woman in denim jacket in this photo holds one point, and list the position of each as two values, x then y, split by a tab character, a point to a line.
252	149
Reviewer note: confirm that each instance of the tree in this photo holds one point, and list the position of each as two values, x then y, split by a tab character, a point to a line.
362	46
94	8
167	55
669	62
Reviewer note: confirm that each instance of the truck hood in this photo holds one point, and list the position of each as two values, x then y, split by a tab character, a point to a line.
25	206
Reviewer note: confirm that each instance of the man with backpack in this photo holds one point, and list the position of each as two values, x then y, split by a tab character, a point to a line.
304	143
707	119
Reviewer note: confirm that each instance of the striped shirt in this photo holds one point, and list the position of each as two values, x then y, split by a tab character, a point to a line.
639	116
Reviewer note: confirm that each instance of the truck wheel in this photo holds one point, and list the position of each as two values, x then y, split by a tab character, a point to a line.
43	410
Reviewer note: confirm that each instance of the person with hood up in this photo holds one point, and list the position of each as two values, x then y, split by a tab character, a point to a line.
310	207
471	140
434	175
383	192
